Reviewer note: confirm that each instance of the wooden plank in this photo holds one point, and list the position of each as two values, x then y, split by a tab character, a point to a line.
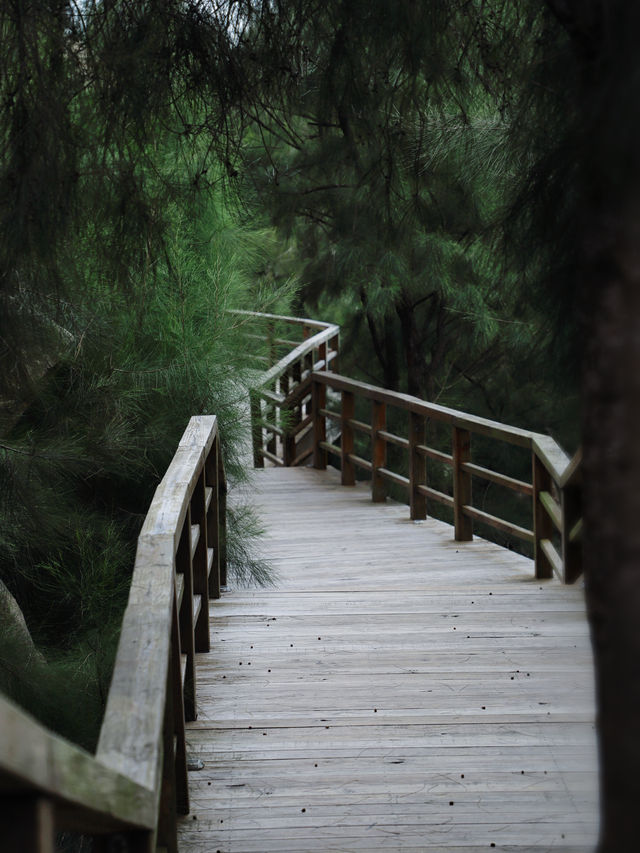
499	523
359	462
553	557
267	454
552	507
435	495
500	479
392	477
360	426
430	453
393	671
391	438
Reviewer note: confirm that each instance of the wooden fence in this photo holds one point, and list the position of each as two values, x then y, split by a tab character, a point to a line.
136	783
290	416
281	398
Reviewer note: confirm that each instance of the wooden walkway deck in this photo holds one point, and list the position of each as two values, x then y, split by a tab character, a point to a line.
396	691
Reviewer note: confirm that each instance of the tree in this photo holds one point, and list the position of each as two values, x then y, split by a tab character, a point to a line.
384	159
118	257
604	38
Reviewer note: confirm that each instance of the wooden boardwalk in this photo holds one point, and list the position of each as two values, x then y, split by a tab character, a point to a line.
396	691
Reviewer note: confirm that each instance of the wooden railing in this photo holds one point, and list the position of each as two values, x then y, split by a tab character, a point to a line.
281	396
137	782
554	489
290	417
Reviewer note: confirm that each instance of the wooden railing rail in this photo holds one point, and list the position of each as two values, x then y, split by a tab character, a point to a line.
554	489
281	396
137	782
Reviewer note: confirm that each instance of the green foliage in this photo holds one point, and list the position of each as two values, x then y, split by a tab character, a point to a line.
80	463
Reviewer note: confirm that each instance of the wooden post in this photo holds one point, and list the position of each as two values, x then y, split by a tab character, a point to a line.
167	816
200	565
322	353
256	429
542	524
175	668
378	451
348	413
461	484
571	550
318	402
334	344
187	644
28	824
213	525
271	416
417	466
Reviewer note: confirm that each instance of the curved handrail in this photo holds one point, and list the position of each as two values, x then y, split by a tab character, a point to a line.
279	414
140	762
287	432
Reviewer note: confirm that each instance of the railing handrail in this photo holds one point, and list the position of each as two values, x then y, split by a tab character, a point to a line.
282	395
483	426
137	779
297	321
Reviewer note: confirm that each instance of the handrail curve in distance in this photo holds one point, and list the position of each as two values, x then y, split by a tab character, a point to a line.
290	418
136	783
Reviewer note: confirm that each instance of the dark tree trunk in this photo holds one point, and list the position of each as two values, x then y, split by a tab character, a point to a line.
611	442
606	36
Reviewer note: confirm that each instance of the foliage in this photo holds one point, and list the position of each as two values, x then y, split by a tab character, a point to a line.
118	260
387	165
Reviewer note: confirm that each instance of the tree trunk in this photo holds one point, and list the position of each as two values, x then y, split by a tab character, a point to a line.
612	520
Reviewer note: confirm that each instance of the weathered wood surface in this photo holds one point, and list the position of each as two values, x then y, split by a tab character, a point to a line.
397	691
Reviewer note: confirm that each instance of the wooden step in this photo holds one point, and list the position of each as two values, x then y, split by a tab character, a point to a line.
208	495
210	556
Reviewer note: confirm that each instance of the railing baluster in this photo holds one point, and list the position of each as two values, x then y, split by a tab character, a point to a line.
348	414
378	451
199	564
187	642
461	484
167	817
28	824
256	429
417	466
